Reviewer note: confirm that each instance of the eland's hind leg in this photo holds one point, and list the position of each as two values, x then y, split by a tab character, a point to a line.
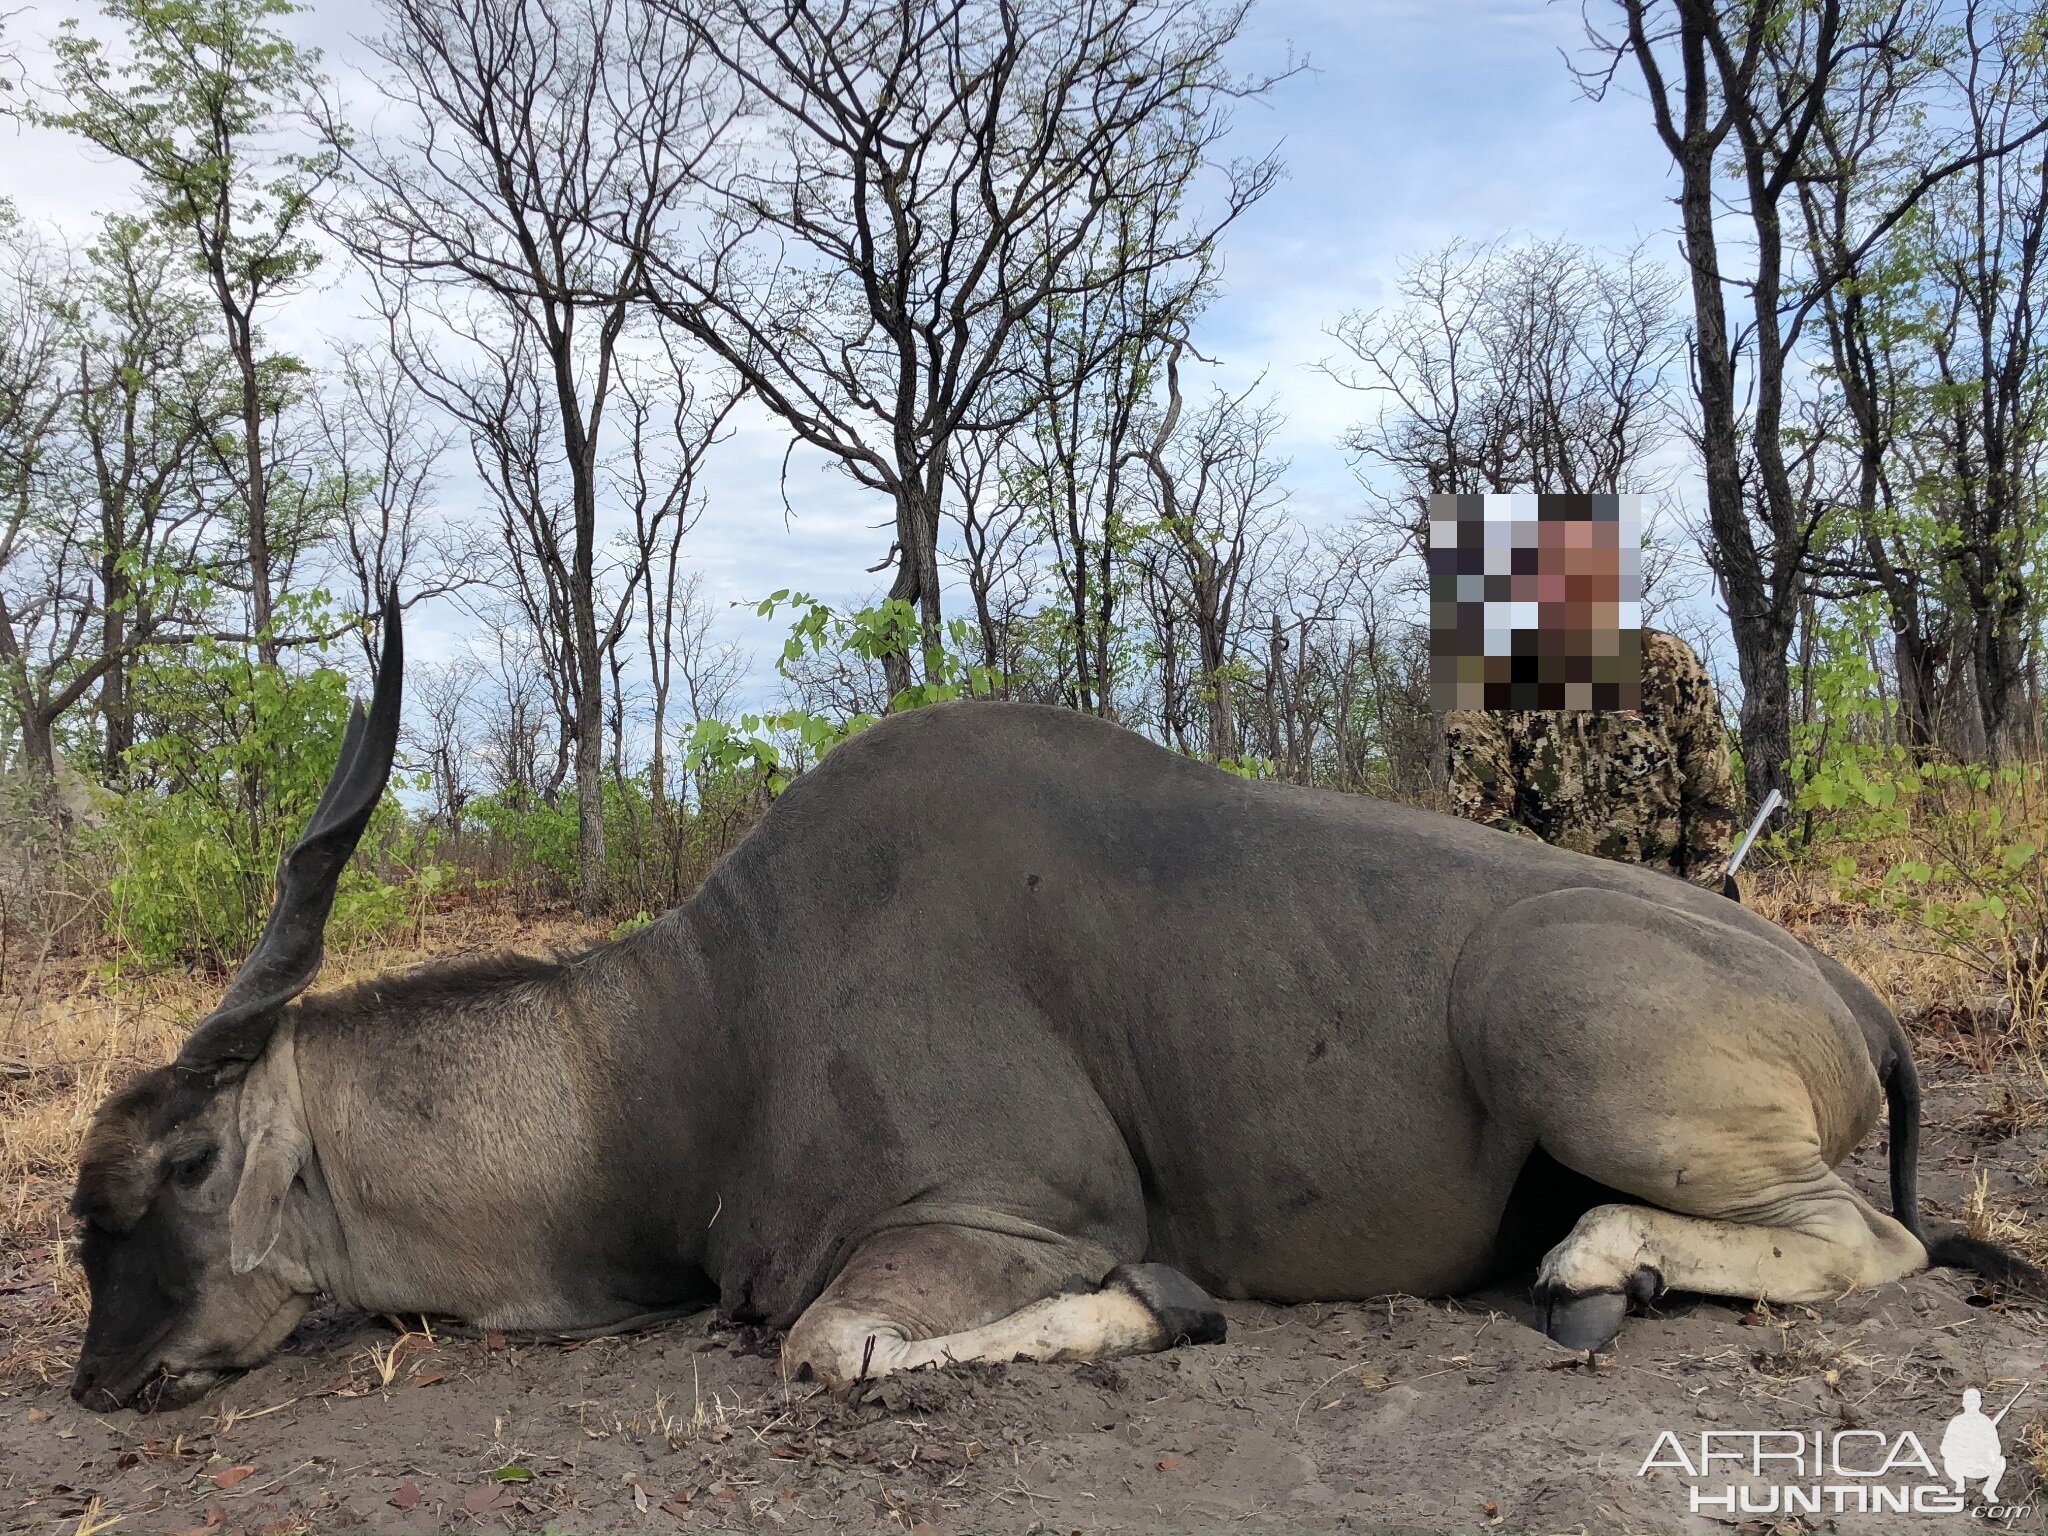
1694	1061
1810	1247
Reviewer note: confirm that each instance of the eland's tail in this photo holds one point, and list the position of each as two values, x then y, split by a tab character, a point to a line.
1892	1055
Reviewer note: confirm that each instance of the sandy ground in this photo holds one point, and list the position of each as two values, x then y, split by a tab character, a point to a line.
1392	1415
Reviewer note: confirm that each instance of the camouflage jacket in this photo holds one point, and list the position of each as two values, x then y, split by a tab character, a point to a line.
1647	787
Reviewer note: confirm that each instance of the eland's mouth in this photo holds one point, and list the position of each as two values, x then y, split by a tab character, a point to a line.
151	1388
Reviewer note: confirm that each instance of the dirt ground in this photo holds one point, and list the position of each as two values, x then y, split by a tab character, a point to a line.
1393	1415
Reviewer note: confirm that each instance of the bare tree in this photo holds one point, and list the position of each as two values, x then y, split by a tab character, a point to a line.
441	729
924	177
1091	363
711	670
1533	367
515	713
995	544
1989	427
542	143
1754	81
1217	484
382	452
668	433
502	401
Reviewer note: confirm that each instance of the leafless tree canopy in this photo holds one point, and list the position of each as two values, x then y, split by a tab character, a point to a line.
542	147
1512	367
909	183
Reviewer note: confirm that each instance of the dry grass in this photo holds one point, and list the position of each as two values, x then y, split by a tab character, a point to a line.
2033	1447
72	1029
1950	1007
1964	954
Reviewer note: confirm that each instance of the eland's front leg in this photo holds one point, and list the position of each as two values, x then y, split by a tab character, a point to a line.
939	1295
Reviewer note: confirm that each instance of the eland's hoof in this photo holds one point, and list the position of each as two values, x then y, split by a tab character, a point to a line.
1589	1321
1185	1313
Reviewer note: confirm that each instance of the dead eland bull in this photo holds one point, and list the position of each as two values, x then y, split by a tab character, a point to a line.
1008	1033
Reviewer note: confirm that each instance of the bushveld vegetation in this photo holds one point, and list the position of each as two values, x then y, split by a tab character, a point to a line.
927	241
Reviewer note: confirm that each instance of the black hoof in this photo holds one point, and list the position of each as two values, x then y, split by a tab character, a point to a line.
1187	1314
1588	1321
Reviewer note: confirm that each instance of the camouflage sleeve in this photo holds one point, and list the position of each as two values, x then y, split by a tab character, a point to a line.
1482	770
1707	815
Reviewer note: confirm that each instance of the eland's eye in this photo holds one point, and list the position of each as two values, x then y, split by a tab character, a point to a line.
193	1167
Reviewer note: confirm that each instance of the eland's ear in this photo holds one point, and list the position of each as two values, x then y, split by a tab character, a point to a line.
275	1147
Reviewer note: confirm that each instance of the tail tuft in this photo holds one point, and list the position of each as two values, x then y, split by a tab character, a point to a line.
2001	1266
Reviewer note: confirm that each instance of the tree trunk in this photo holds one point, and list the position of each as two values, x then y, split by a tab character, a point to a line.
117	722
1210	622
1105	594
1995	651
1919	686
931	618
258	507
1760	632
589	709
977	586
1078	589
39	747
917	575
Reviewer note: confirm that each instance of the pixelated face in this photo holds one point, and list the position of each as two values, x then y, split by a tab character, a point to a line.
158	1186
1591	559
1528	597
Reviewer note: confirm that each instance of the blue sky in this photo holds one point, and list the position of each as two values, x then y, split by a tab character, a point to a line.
1415	123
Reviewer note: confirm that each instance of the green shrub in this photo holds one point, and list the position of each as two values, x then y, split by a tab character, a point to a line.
538	836
235	761
749	749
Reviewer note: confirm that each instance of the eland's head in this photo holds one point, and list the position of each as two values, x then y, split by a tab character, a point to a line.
187	1171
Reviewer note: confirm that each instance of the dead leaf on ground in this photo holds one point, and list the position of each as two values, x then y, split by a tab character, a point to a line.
477	1500
230	1476
404	1496
429	1379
